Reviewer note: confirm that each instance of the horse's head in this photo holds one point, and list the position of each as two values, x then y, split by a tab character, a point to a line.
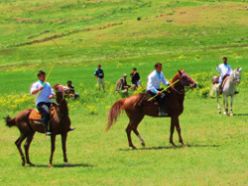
185	80
237	75
59	90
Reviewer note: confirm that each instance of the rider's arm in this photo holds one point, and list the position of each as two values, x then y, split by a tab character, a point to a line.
164	80
35	89
218	69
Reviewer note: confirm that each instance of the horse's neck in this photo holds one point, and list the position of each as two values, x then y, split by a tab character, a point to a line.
178	92
63	108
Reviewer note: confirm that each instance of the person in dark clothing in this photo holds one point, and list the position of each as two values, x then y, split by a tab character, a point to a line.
135	78
99	74
70	90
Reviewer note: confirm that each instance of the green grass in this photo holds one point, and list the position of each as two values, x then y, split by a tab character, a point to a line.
190	35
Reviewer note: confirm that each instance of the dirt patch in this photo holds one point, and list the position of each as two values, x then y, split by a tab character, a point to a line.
208	14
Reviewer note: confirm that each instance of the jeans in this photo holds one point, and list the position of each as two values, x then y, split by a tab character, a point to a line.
44	109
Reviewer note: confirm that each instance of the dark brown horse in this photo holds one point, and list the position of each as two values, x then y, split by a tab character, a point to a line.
59	122
137	106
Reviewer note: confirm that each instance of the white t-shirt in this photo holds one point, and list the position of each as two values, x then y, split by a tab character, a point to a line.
43	95
154	81
224	69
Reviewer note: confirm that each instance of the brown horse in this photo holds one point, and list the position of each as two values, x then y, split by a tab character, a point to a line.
137	106
59	122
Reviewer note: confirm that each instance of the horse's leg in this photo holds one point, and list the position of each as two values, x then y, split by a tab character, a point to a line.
231	106
63	140
218	102
172	130
128	131
225	103
177	124
53	137
18	143
26	147
135	124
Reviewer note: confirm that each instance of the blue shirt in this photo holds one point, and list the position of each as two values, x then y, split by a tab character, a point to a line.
43	95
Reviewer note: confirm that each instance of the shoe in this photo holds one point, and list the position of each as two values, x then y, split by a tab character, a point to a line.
236	92
162	114
48	133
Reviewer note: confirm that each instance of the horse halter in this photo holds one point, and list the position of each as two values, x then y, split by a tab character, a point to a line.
185	81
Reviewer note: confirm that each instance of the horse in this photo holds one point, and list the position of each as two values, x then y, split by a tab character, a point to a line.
137	106
28	122
228	90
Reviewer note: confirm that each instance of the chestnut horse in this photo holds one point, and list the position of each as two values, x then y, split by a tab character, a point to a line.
59	123
137	106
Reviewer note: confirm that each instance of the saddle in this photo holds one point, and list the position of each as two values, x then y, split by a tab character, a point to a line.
34	115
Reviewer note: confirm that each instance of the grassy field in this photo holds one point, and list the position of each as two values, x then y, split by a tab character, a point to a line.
70	37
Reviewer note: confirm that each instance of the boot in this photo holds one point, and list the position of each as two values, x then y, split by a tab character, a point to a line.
48	131
162	113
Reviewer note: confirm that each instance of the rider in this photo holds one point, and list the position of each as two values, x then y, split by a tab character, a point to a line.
44	93
225	70
155	78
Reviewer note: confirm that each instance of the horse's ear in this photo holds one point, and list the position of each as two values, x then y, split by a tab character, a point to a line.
180	72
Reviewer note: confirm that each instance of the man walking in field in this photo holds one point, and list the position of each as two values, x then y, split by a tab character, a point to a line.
44	93
155	78
99	74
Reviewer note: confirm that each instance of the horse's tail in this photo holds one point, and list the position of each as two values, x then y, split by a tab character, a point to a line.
10	122
114	113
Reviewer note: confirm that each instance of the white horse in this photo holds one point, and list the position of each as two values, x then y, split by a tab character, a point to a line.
229	88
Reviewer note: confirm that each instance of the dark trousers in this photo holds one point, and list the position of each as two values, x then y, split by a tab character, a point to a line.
160	99
44	109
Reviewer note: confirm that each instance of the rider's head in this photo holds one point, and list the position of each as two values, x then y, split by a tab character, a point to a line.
225	60
158	67
69	82
134	69
41	75
99	66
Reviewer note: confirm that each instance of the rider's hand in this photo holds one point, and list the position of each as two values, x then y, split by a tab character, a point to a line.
159	93
41	88
51	96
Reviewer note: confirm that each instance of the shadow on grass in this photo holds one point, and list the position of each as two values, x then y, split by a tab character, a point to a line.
172	147
241	114
85	165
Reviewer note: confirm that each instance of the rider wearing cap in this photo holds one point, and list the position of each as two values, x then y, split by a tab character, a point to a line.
155	78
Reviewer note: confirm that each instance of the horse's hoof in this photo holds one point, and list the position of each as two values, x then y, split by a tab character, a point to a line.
133	147
31	164
173	144
50	165
23	164
143	144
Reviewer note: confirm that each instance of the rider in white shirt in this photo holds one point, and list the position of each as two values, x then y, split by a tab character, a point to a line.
155	78
224	69
44	93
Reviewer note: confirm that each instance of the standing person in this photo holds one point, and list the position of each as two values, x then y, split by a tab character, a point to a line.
99	74
155	78
135	78
44	93
225	70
